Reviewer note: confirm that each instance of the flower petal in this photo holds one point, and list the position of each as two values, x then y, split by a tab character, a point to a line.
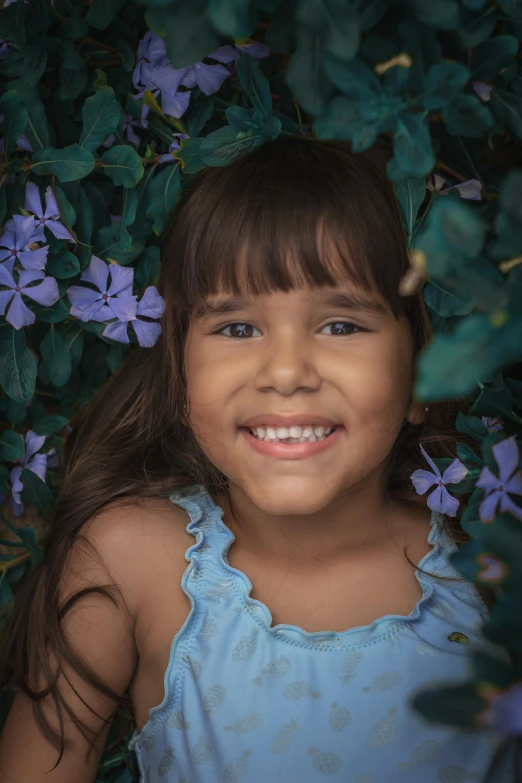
52	210
507	456
34	259
29	276
189	79
97	273
146	332
117	331
121	278
123	307
209	78
443	502
152	303
33	202
33	443
16	484
84	302
423	480
59	230
487	480
175	106
224	54
25	228
46	293
5	298
166	78
19	314
38	465
514	484
488	507
455	472
431	463
6	277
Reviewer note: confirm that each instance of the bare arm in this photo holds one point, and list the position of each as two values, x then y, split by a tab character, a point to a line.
102	634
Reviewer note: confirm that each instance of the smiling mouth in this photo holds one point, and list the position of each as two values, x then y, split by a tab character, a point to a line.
308	434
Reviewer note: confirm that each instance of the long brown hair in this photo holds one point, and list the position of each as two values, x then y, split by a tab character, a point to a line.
132	441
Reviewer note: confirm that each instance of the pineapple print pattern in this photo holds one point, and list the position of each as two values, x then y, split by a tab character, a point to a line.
244	649
246	724
443	609
201	751
237	769
384	682
216	594
213	698
384	730
426	751
285	738
350	665
194	666
165	762
339	717
427	649
208	630
274	670
325	763
148	741
300	690
177	721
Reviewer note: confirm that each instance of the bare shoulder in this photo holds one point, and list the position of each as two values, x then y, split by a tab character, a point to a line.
128	541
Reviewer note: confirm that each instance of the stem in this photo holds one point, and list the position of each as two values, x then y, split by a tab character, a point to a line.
108	48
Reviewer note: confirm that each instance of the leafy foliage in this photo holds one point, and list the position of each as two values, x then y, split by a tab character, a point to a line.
106	111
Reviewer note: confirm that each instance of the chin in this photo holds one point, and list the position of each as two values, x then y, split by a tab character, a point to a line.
280	498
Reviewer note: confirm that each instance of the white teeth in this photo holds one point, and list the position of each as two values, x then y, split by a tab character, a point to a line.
292	434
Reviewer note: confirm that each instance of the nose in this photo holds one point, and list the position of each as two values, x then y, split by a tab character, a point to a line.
286	364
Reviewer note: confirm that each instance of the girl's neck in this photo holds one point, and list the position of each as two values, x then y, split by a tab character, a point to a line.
353	524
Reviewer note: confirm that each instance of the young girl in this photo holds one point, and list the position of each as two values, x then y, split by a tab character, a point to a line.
237	538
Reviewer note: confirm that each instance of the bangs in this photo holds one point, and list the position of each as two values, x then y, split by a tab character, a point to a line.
292	213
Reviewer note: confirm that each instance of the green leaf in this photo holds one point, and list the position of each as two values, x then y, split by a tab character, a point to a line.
189	156
62	265
69	163
443	82
162	196
492	56
102	12
17	365
255	83
199	114
306	76
148	267
445	302
101	114
72	82
123	165
15	119
51	424
188	32
12	445
51	314
472	426
410	194
234	17
54	351
412	145
467	455
227	144
35	493
128	216
465	115
441	14
508	106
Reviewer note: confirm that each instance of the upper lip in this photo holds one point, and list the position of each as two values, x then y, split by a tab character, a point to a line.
289	420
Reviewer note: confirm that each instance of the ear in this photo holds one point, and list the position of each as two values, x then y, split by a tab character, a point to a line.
417	413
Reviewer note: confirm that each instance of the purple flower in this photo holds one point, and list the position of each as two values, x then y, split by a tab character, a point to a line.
494	424
167	157
151	305
5	45
208	78
128	132
104	303
503	715
32	461
497	488
46	293
483	90
50	218
471	189
439	500
228	54
151	51
154	72
20	232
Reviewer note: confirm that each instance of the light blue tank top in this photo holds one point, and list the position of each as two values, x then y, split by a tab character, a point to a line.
249	702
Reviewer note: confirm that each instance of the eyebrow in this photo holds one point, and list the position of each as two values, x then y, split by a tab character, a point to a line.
343	300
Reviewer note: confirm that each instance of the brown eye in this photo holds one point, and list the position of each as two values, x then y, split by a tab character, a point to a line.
239	330
344	328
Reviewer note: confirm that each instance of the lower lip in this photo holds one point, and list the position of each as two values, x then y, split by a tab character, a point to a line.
291	450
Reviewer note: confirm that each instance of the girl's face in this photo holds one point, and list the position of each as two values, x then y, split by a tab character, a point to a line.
298	353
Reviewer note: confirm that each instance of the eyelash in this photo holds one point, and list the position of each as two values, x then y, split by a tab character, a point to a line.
245	323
